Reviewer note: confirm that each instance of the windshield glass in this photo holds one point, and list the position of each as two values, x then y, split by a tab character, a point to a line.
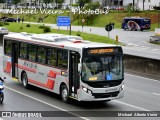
102	68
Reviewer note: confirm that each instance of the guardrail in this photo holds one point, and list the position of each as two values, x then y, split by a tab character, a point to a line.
142	66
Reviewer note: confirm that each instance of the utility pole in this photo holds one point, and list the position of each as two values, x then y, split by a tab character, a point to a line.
133	4
143	5
71	1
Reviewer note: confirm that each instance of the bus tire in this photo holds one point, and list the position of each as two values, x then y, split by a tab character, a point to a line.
141	29
1	97
25	80
64	93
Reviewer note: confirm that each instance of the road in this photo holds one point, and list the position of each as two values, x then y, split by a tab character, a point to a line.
141	94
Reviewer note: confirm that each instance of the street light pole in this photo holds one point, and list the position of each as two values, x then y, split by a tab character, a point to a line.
158	14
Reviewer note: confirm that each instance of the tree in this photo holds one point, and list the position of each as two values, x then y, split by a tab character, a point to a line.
16	1
83	2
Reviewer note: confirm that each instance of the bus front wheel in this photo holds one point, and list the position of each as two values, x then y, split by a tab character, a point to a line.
64	93
25	80
1	97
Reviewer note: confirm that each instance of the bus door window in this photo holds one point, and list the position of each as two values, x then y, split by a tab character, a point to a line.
74	73
7	47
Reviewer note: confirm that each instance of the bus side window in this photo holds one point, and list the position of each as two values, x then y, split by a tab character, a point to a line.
32	52
23	50
41	55
7	47
51	56
63	58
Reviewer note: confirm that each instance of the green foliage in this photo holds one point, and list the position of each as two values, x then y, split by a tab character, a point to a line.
46	29
41	26
28	25
21	28
6	23
78	33
92	6
16	1
1	23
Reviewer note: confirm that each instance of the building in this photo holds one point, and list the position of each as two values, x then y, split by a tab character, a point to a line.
148	4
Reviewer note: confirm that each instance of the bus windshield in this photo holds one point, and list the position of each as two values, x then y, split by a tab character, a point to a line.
102	68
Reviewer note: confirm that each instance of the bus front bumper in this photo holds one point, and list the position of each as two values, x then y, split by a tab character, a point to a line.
84	96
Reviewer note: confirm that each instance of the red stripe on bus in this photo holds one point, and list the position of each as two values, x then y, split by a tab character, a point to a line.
53	74
37	83
49	85
26	68
8	68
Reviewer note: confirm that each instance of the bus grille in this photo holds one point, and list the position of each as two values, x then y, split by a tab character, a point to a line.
105	84
105	95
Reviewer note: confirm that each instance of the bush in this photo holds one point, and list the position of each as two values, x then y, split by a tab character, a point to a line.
41	26
46	29
1	23
21	28
28	25
78	33
6	23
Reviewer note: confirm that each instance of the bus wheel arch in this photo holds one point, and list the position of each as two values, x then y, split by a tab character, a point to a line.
24	79
64	93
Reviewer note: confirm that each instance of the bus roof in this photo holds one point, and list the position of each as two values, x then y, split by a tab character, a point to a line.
58	40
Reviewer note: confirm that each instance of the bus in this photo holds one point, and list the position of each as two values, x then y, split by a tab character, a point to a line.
74	69
136	23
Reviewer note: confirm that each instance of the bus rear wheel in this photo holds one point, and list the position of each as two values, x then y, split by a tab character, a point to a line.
25	80
64	93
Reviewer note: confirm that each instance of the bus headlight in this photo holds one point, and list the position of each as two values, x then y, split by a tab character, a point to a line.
87	90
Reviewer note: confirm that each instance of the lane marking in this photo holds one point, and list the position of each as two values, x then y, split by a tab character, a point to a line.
142	77
156	93
46	103
133	106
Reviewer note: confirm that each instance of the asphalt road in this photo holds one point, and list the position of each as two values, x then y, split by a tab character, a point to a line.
141	94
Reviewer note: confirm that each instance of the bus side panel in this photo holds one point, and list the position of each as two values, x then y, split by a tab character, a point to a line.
42	76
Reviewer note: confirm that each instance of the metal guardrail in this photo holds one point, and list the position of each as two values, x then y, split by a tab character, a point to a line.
155	39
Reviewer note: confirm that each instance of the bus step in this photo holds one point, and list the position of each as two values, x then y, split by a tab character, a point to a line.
15	79
72	97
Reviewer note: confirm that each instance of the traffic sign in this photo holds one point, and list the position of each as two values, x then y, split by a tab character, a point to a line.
108	27
83	20
63	21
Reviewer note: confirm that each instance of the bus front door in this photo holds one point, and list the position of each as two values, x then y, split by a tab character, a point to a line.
73	74
15	60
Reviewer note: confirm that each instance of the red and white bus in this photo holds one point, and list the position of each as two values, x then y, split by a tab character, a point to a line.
78	69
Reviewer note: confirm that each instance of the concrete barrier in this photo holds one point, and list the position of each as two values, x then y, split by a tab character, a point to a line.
142	66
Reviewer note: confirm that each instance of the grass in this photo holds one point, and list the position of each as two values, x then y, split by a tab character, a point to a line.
19	27
99	21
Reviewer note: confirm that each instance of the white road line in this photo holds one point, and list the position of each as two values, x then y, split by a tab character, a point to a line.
45	103
142	77
156	93
133	106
